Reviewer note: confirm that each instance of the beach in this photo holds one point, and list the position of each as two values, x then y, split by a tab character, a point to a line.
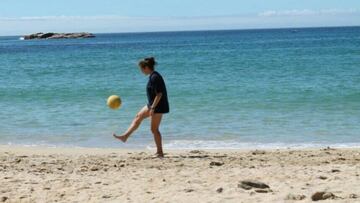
252	113
39	174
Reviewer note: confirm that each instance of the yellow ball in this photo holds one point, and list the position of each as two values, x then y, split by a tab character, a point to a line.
114	102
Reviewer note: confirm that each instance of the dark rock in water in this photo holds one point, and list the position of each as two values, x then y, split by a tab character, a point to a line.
295	197
322	196
47	35
51	35
253	183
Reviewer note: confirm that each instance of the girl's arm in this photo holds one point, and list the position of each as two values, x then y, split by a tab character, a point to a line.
155	103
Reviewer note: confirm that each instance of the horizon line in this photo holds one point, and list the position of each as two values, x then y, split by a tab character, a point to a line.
204	30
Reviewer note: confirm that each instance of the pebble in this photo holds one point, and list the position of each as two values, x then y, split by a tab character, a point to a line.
189	190
3	199
215	163
257	152
295	197
322	196
322	177
353	196
253	183
243	186
219	190
195	152
263	190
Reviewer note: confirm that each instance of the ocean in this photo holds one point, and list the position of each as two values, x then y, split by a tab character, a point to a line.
270	88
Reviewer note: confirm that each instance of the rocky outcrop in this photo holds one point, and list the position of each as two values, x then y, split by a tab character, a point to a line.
51	35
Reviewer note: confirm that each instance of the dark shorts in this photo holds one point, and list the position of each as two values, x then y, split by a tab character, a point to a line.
159	109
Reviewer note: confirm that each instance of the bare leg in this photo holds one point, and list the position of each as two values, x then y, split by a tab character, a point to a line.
155	123
143	113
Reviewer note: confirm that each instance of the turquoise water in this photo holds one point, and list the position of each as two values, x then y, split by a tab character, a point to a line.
227	89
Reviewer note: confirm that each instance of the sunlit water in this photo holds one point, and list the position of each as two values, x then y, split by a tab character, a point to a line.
227	89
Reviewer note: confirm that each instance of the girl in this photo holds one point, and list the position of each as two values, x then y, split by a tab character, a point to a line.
157	104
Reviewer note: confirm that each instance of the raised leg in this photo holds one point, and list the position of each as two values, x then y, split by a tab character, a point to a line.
140	116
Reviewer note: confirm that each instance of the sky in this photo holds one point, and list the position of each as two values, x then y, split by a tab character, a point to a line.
19	17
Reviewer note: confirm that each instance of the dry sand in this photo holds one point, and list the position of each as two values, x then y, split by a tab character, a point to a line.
110	175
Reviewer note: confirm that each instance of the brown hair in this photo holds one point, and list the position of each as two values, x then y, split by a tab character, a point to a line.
149	62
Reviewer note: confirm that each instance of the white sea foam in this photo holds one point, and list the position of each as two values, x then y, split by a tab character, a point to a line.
204	144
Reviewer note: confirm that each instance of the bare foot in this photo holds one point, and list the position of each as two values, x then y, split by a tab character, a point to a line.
123	138
159	155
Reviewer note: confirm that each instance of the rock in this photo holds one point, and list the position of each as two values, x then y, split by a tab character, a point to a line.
215	163
328	195
196	152
4	198
219	190
51	35
254	183
23	197
257	152
189	190
322	177
295	197
328	148
243	186
94	168
46	35
353	196
322	196
263	190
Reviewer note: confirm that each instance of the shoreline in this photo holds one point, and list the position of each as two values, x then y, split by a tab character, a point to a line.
125	148
39	174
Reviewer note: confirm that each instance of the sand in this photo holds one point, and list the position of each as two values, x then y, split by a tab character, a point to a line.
29	174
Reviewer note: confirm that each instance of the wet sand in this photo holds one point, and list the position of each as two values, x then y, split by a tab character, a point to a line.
29	174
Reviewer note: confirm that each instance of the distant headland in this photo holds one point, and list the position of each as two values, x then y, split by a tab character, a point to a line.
51	35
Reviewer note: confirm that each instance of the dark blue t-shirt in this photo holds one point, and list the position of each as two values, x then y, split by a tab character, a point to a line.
156	85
